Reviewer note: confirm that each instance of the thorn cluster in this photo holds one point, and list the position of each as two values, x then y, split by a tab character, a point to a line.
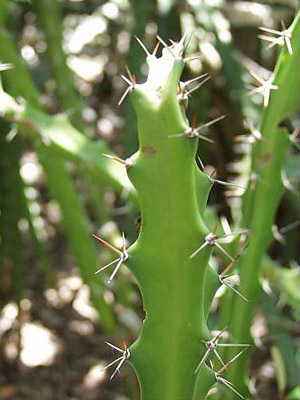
123	256
218	374
254	136
186	94
288	183
127	163
5	66
193	131
279	233
120	360
211	348
264	88
212	239
231	280
169	48
212	179
281	37
294	138
131	82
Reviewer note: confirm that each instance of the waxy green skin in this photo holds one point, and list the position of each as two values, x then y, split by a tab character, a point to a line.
260	205
169	348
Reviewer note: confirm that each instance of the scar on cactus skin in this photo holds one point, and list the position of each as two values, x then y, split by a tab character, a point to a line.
148	151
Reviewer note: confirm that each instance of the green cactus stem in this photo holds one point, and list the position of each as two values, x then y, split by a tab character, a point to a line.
260	204
177	289
167	353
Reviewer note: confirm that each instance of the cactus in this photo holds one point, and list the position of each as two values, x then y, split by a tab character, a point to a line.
176	356
170	257
267	164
